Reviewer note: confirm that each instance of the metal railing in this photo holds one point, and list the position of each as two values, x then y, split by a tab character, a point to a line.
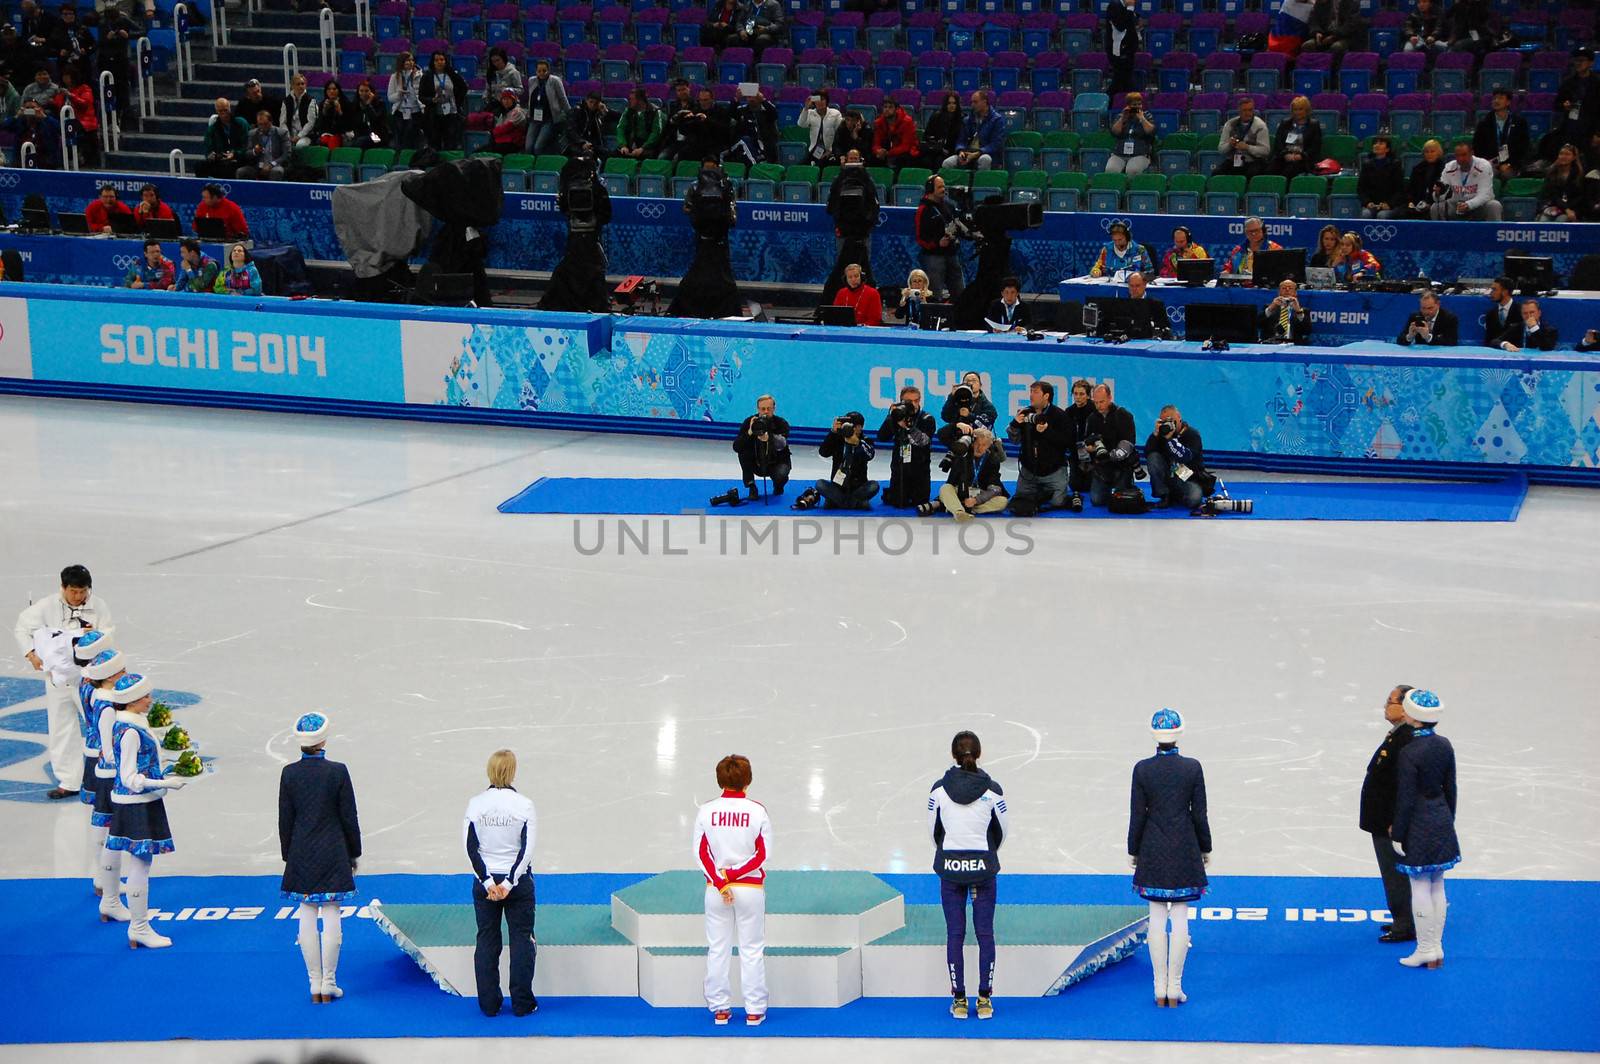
25	155
69	152
110	119
325	41
364	18
181	47
219	24
291	64
177	165
144	57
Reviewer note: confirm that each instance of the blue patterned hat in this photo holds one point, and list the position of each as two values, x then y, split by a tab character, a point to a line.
131	688
94	643
1423	705
1166	725
311	729
105	665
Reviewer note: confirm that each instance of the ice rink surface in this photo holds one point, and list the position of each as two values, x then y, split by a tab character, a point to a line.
274	563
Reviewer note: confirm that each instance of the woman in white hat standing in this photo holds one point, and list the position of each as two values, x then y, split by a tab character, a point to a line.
138	814
1169	843
97	715
321	840
1425	823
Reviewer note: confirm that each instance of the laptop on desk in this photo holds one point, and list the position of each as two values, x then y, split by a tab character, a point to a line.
163	228
74	223
1195	272
1320	277
124	224
210	229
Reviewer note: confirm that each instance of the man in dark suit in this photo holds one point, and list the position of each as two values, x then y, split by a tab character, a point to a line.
1378	792
1284	320
1531	333
1431	325
1502	137
1148	317
1008	313
1502	313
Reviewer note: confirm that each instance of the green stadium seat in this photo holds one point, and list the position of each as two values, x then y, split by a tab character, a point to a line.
1067	192
1224	194
907	191
990	184
312	157
1094	150
1305	196
618	175
375	162
1022	149
1105	191
955	177
1176	154
1344	201
546	176
1029	186
762	184
1265	195
1145	193
1060	148
799	184
1343	147
1185	193
1520	199
653	178
342	164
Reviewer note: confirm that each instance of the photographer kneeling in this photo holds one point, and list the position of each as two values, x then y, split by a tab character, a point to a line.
911	429
973	485
967	407
1042	434
1107	448
1178	474
763	447
847	487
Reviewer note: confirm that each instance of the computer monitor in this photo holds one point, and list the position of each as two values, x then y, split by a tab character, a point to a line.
828	314
163	228
36	219
1113	315
123	224
1271	267
937	316
1532	273
1233	322
1195	271
210	229
74	223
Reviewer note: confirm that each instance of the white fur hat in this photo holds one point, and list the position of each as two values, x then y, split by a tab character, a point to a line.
1423	705
105	666
91	645
311	728
1166	725
131	688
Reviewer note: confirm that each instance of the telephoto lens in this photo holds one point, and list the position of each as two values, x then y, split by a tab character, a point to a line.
1230	506
727	498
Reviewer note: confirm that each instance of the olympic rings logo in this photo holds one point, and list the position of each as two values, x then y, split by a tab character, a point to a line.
126	262
1175	313
9	179
1107	223
652	210
1379	234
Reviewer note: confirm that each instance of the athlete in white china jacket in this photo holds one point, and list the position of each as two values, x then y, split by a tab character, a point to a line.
731	845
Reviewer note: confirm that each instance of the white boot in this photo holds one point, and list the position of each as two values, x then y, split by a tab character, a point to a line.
1158	950
1179	953
1438	936
140	933
311	953
332	939
109	886
1423	954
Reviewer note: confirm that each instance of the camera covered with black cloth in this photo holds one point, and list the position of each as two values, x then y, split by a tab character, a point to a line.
581	196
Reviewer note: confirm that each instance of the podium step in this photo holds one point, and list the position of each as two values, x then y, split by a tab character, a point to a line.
797	976
803	909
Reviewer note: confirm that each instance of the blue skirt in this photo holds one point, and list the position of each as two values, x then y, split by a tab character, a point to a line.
86	792
1174	894
140	829
100	817
318	899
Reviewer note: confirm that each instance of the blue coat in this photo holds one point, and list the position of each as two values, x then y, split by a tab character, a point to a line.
1425	805
317	829
1167	827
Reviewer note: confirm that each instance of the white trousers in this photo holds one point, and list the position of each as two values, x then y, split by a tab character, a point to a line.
749	913
66	740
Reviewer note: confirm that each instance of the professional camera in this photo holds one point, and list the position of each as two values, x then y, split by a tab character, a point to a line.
960	447
962	396
903	412
730	497
1167	425
1031	416
577	200
1094	449
760	425
1215	505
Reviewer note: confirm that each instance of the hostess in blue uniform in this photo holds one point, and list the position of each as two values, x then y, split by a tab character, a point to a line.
96	717
138	814
1425	824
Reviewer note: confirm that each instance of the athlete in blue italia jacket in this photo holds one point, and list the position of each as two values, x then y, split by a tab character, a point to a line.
967	819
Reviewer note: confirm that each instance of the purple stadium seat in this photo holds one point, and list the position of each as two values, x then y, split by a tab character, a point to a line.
1177	71
1451	71
1251	22
933	70
426	48
1220	71
867	96
1266	71
908	97
394	46
1005	71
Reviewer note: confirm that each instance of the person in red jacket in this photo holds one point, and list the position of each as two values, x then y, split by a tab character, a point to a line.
860	295
99	211
213	204
894	137
76	92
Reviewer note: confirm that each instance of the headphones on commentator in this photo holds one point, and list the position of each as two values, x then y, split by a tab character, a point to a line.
1185	231
927	186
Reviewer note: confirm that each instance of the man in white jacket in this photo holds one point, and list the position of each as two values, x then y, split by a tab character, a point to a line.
1469	189
821	122
75	610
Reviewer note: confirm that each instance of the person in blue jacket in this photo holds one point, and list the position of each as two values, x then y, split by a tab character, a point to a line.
967	819
1425	823
983	136
1169	844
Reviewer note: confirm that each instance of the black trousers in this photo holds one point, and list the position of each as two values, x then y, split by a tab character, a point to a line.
778	470
1396	887
517	908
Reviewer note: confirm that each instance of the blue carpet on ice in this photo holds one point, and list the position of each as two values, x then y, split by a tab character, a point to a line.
1360	500
1510	981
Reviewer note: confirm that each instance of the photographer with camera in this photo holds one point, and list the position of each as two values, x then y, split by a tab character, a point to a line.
1431	325
1042	433
1107	449
1178	474
847	486
763	447
1135	137
939	251
911	429
1077	428
967	407
972	485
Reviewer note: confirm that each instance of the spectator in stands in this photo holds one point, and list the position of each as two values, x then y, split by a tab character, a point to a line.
942	135
983	135
640	129
333	117
1473	27
1530	334
1241	260
99	211
1590	341
503	74
1426	30
1590	209
719	25
1577	113
42	91
1245	143
1562	197
1327	252
15	61
1290	26
76	92
1123	42
266	153
118	32
863	297
72	43
1010	314
369	119
1297	146
853	134
35	30
35	125
154	272
405	102
443	93
1502	313
912	297
1183	247
1336	26
586	126
939	254
254	99
820	119
10	99
1424	187
547	108
298	115
214	204
1502	137
1284	320
240	277
510	133
150	206
894	138
1431	325
1354	262
1469	188
1381	185
226	140
760	25
755	128
197	271
1135	137
1121	254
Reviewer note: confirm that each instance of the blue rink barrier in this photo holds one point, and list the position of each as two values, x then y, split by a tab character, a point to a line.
794	243
1372	409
